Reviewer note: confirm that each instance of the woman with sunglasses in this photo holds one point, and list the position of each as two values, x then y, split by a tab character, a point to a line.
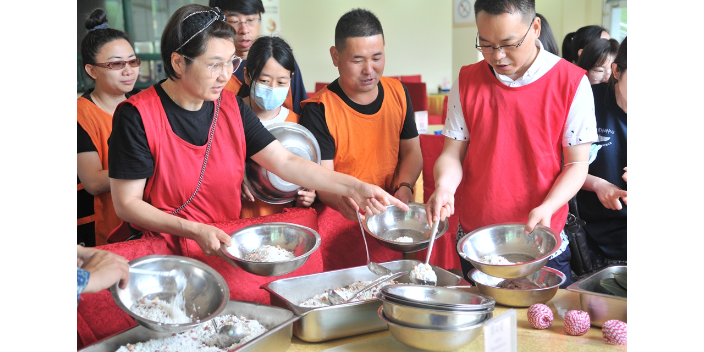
164	136
268	73
110	61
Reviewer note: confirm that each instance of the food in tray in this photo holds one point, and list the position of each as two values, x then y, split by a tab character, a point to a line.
162	311
267	253
517	284
404	239
424	272
202	338
321	300
616	285
496	260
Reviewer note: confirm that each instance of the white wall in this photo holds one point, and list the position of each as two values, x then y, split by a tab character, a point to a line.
418	36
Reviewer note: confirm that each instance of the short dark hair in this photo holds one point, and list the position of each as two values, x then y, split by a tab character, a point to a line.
94	40
172	38
265	48
496	7
578	40
597	53
243	7
356	23
546	37
620	62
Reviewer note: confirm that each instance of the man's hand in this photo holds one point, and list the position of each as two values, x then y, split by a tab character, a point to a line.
209	238
540	215
246	193
405	195
106	268
441	205
625	174
305	198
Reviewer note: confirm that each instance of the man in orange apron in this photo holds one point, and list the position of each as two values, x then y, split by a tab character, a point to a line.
363	122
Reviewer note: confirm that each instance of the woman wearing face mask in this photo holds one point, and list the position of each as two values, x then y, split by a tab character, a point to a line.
268	72
110	61
596	59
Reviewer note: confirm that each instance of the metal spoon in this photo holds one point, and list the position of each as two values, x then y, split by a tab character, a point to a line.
373	267
433	233
229	335
336	299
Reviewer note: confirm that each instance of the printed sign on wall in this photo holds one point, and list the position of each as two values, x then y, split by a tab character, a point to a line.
271	18
463	13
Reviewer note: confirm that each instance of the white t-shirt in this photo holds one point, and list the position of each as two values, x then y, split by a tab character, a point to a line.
581	122
281	117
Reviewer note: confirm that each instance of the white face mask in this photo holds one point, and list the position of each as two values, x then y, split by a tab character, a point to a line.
269	98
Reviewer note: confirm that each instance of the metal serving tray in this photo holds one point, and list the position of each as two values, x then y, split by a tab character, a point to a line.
597	301
278	321
349	319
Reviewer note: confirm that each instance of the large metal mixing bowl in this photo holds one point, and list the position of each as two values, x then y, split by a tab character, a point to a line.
269	187
434	319
206	293
434	297
509	241
301	240
548	279
432	340
395	223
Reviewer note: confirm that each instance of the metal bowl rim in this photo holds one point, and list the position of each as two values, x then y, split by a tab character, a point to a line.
197	263
465	238
318	241
435	311
402	244
283	125
381	314
562	276
491	302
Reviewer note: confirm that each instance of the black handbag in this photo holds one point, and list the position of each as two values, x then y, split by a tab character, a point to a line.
581	261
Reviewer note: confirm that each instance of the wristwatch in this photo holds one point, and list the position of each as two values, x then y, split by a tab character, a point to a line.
404	184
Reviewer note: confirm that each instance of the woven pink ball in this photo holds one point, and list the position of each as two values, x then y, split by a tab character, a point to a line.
577	322
614	331
540	316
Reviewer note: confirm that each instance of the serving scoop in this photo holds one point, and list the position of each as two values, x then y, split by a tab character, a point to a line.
428	282
228	335
373	267
336	299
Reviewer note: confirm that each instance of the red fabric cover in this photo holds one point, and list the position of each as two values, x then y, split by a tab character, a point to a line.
444	109
98	316
435	120
444	250
343	246
319	86
411	78
243	285
515	154
418	94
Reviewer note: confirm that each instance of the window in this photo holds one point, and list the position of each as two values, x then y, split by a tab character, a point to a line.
615	19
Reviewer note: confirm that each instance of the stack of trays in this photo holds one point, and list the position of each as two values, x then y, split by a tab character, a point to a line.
434	318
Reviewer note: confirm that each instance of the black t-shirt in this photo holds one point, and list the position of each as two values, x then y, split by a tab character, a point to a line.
313	118
85	144
130	157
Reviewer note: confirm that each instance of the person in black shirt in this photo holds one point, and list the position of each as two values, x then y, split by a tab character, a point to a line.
164	137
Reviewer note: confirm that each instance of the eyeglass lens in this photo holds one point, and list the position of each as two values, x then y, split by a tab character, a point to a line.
119	65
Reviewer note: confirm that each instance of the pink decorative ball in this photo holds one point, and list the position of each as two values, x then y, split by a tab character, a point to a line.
577	322
614	332
540	316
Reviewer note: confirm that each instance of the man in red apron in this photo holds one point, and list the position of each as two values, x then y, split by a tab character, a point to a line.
512	118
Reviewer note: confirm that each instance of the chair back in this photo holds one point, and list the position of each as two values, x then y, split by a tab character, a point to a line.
418	94
444	109
319	86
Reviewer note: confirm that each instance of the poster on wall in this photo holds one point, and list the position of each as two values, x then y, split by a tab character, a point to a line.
271	18
463	13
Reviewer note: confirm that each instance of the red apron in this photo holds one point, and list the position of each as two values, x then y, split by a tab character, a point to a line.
515	149
177	166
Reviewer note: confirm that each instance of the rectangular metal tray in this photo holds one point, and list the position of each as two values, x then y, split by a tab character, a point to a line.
349	319
278	321
597	301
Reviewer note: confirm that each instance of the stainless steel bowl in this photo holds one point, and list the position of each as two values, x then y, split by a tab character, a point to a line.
434	319
301	240
548	279
509	241
206	293
432	340
269	187
395	223
435	297
597	301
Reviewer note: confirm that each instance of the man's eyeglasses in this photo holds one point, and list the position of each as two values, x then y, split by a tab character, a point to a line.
488	49
217	68
119	65
250	22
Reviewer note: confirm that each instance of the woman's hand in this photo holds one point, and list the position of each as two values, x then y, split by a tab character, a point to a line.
440	205
305	198
609	194
373	199
405	195
106	268
209	238
246	193
625	174
540	215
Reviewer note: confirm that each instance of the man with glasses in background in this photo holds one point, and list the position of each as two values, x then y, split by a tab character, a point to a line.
245	17
518	132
